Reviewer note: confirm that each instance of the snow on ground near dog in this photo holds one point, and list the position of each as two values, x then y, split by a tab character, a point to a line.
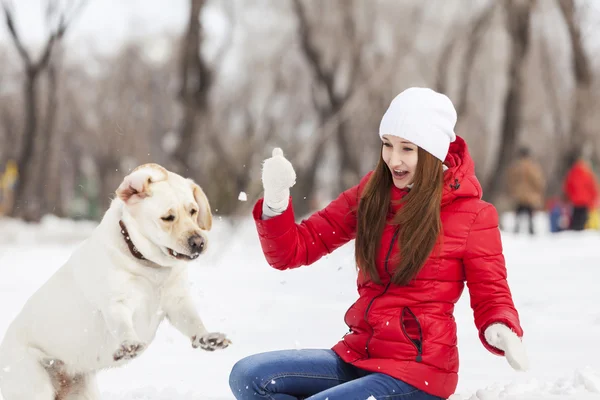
554	281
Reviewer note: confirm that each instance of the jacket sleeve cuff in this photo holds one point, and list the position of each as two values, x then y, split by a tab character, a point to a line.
505	321
274	226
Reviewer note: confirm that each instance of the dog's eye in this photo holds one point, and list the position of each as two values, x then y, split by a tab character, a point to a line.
170	218
193	212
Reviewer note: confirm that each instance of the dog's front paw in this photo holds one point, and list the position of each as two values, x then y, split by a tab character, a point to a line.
129	349
210	341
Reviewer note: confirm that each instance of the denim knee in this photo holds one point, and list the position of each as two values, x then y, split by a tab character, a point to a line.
244	379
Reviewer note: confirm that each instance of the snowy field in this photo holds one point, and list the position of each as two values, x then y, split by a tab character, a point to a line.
555	283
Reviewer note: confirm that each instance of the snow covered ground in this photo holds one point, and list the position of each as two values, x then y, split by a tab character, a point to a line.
554	281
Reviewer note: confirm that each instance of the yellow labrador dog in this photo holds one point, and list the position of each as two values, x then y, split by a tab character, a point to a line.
103	307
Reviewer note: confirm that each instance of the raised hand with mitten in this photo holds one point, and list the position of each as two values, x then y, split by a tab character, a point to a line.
278	176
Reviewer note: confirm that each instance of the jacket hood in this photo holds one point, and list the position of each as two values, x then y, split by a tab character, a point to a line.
460	180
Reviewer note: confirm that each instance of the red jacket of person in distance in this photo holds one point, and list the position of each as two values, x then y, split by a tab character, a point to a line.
581	186
409	332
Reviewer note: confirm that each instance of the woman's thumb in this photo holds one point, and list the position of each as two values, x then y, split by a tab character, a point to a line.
277	152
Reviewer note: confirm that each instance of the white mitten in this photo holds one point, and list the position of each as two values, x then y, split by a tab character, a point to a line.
502	337
278	176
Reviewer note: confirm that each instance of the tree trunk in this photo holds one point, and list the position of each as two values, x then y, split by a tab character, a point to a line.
330	107
518	13
26	204
193	95
349	165
50	191
304	191
26	194
479	28
580	133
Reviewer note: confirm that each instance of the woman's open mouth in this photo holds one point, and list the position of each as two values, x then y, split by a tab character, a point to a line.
181	256
399	173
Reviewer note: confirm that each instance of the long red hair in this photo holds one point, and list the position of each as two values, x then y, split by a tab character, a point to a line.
418	219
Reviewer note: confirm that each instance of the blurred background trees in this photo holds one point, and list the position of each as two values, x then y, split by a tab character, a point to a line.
313	77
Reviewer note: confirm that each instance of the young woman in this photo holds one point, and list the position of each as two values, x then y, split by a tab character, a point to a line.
421	230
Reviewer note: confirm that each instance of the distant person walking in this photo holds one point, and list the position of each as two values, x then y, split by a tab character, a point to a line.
581	189
526	185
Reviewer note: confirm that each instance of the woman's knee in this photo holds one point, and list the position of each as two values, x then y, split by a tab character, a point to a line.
246	375
254	376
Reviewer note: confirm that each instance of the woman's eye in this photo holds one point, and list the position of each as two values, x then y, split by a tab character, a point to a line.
387	144
408	149
169	218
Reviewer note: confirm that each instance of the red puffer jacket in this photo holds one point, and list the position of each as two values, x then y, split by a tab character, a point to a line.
580	185
409	332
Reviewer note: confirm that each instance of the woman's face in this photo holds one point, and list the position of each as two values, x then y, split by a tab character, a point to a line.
401	157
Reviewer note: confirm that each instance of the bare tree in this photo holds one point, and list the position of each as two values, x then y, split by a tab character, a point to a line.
518	22
49	188
25	202
331	95
9	103
473	37
48	191
555	107
579	130
196	79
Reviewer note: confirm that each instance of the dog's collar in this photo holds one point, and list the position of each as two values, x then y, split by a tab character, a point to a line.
134	251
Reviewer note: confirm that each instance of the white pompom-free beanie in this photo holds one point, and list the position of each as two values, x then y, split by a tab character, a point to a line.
423	117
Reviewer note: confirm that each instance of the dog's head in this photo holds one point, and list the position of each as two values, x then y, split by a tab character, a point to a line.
167	215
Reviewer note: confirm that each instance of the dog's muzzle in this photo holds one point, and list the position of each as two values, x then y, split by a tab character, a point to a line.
196	244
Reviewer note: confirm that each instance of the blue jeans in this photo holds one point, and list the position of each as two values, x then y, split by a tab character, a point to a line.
313	375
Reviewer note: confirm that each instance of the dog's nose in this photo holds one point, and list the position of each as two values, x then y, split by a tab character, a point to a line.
196	243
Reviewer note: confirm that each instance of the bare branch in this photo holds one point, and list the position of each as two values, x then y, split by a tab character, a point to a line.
518	24
355	41
580	62
45	58
65	18
474	35
374	81
478	30
580	130
71	12
551	89
10	24
312	54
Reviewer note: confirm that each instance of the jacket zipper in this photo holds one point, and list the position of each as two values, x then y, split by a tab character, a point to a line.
418	346
366	317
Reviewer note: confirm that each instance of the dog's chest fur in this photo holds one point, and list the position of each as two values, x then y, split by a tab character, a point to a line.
147	315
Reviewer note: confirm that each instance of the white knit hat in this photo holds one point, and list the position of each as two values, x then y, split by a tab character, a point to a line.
423	117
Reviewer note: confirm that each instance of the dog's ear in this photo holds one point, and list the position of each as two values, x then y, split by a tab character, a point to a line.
136	185
204	214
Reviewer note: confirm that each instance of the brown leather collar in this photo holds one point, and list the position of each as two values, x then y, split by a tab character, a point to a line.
134	251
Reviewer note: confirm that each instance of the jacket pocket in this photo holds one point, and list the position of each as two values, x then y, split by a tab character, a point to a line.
411	328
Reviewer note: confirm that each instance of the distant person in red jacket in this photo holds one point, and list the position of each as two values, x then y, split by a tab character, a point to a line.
581	189
421	230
